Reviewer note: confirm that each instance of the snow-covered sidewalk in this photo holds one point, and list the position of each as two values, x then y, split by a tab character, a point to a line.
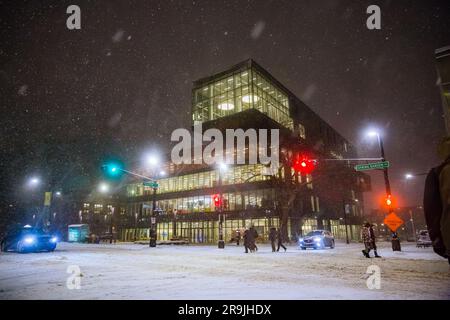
132	271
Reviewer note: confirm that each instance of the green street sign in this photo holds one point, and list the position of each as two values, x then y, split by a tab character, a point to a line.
372	166
151	184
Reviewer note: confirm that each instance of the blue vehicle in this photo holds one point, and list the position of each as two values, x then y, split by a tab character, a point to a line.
317	239
28	239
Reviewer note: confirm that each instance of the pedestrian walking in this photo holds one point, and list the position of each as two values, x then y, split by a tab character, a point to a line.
254	235
238	237
280	240
436	202
273	238
249	241
368	237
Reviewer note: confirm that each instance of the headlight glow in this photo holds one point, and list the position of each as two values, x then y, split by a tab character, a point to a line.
54	239
29	240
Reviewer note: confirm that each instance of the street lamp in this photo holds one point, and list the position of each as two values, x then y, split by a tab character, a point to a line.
153	162
103	188
34	182
408	176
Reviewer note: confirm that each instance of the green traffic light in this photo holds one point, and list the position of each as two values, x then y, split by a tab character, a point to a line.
113	169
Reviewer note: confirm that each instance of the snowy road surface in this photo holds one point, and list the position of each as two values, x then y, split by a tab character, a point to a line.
132	271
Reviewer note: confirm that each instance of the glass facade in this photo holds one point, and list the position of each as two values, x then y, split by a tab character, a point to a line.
240	200
241	91
202	180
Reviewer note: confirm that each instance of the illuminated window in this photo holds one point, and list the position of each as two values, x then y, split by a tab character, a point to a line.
236	93
301	131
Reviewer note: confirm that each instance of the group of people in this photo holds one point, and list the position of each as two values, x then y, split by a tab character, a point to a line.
250	235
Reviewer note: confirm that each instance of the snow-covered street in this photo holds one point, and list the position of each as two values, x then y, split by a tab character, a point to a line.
132	271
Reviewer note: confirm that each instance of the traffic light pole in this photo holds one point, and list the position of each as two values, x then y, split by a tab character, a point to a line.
385	170
388	188
221	243
153	226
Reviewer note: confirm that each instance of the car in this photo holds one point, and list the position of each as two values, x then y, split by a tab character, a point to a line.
317	239
28	239
423	239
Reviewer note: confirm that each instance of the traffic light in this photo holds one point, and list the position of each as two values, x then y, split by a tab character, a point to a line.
113	169
217	201
304	164
389	202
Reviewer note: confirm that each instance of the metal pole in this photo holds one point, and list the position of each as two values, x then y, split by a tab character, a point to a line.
385	170
111	226
153	221
413	225
345	222
221	243
386	178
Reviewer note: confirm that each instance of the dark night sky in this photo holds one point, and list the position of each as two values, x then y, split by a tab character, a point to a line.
123	82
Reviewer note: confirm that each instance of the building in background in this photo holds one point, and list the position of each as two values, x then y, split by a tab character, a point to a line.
443	69
246	96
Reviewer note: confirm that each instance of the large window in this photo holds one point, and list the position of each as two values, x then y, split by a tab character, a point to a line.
202	180
232	201
238	92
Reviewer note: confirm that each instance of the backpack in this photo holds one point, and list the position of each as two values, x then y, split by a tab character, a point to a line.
432	207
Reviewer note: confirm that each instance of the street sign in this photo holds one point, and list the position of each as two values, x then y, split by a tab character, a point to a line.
393	221
372	166
151	184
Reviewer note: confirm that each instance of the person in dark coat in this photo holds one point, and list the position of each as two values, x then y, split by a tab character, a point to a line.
247	240
254	235
368	237
280	240
436	202
238	237
273	237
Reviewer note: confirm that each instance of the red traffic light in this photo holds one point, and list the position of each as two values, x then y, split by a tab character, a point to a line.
303	164
217	201
388	201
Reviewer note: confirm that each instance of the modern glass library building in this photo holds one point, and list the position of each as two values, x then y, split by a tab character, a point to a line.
246	95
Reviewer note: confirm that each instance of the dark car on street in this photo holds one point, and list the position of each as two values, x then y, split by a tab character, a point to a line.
28	239
317	239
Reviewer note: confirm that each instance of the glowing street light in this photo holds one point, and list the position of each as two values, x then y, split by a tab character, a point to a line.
373	133
409	176
34	182
103	187
152	160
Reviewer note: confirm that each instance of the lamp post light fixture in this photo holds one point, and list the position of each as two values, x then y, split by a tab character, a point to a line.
34	182
103	188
